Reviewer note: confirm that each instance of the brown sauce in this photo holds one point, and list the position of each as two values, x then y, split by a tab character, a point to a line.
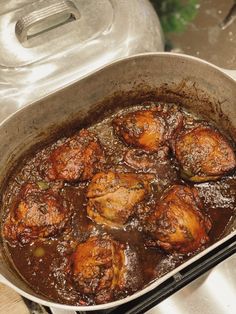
42	263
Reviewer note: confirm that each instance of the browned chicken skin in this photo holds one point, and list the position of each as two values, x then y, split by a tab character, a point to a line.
149	129
79	158
99	268
36	213
177	224
113	196
204	154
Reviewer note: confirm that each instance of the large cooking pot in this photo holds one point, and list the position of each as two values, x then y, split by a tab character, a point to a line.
195	84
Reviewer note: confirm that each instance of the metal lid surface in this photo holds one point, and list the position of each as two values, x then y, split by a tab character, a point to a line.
45	45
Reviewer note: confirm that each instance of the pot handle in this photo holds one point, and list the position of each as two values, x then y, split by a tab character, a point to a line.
230	17
231	73
228	20
55	310
45	17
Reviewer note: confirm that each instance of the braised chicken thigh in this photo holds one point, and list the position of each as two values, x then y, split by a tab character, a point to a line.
99	267
79	158
36	213
149	129
177	223
113	196
204	154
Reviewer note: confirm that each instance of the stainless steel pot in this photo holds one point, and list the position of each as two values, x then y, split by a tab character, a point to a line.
197	85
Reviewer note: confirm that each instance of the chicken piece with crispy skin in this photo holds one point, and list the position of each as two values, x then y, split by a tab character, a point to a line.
36	213
79	158
177	223
204	154
149	129
99	268
113	196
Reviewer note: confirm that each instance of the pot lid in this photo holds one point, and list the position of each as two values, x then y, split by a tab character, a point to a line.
41	29
46	45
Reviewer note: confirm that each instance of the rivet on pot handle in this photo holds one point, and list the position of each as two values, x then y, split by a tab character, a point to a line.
48	15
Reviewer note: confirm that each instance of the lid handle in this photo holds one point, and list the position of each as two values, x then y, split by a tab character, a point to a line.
46	18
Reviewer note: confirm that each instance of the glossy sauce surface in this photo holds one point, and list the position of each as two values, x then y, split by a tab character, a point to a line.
43	264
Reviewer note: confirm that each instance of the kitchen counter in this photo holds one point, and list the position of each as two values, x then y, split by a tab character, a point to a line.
11	302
